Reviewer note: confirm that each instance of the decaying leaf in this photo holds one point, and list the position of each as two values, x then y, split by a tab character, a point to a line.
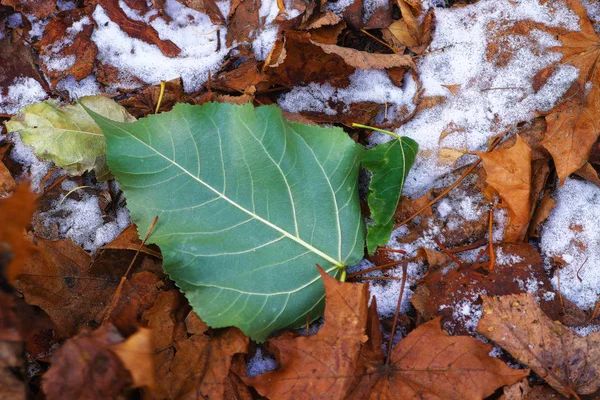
7	183
99	365
15	214
306	363
509	172
430	364
39	8
389	163
567	361
12	355
447	293
75	28
245	225
145	103
572	126
66	134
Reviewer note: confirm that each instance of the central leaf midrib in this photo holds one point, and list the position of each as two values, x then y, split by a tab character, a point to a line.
233	203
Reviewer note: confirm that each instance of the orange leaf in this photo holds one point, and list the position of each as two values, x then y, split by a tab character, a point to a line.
430	364
15	214
136	353
567	361
322	364
572	127
509	172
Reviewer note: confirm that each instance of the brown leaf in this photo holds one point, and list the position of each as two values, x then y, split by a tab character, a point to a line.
136	353
243	20
15	214
12	363
201	365
138	29
298	60
58	46
430	364
85	367
412	30
509	172
567	361
322	364
7	183
545	206
245	78
129	240
572	126
144	103
39	8
208	7
444	293
589	173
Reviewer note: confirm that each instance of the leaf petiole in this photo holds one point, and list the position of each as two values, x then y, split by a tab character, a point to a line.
355	125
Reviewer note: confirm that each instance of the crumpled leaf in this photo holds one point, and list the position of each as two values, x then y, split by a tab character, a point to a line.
567	361
99	365
325	362
509	172
389	163
15	214
66	49
250	203
430	364
66	134
39	8
413	31
572	126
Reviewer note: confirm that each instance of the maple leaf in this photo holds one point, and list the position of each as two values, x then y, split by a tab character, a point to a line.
428	363
323	365
15	214
572	126
509	172
567	361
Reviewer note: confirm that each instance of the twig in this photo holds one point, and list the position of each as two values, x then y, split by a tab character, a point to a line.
449	254
379	40
578	277
117	294
448	189
391	250
71	191
392	333
491	241
472	246
379	267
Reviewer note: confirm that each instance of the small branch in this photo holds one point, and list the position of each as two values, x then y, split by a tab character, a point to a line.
391	342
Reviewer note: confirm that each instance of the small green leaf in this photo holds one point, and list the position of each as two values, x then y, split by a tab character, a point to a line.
66	134
389	162
248	204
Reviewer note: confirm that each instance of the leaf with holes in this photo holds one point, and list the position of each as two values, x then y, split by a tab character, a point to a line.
248	204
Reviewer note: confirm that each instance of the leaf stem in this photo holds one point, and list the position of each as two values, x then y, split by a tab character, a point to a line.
355	125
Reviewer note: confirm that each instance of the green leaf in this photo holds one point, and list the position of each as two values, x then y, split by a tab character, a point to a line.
66	134
248	204
389	162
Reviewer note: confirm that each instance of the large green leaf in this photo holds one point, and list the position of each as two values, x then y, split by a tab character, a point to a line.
66	134
390	163
248	204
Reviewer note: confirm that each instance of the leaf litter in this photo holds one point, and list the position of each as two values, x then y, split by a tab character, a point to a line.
488	69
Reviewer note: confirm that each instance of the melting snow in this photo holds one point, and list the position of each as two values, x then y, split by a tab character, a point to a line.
23	92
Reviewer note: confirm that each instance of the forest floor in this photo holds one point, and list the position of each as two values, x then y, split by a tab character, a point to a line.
490	284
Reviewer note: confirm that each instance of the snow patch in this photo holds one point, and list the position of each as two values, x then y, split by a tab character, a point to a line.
23	92
571	233
260	363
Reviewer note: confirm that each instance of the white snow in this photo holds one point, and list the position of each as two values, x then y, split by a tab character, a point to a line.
86	87
191	31
23	92
82	220
264	39
572	234
260	363
35	170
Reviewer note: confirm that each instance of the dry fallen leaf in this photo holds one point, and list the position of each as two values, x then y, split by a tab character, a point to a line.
322	365
99	365
430	364
7	183
39	8
80	48
572	126
568	362
413	30
145	103
12	363
509	172
442	292
15	214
